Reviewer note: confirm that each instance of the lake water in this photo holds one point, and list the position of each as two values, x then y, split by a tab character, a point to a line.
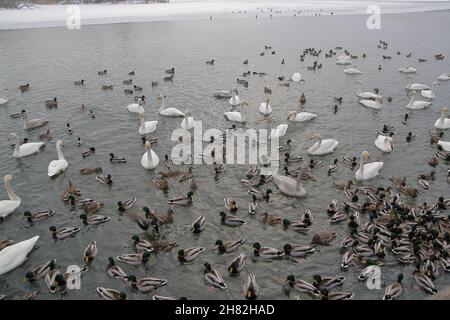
51	59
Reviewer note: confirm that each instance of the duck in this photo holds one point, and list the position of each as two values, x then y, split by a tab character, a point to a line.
234	100
14	255
134	259
47	135
302	98
271	219
297	251
302	286
416	86
182	200
168	112
190	254
111	294
213	277
88	152
145	285
39	272
52	103
115	271
9	206
141	245
394	290
372	104
147	127
211	62
424	282
279	131
429	94
94	219
260	195
367	171
104	180
79	83
231	220
328	282
251	288
33	123
114	159
107	87
230	204
150	159
237	264
325	295
24	87
416	105
323	238
332	167
322	147
188	121
265	108
384	143
161	183
298	226
300	116
229	246
25	149
442	123
266	252
89	170
289	186
64	233
55	167
128	82
38	215
90	252
198	225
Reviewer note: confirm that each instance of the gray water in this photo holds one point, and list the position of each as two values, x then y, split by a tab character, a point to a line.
50	59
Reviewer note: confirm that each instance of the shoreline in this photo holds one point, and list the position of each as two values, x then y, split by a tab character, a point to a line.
47	16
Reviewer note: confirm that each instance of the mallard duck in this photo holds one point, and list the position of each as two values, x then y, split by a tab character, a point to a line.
323	238
24	87
141	245
342	185
302	286
47	135
237	264
423	183
114	159
271	219
230	204
51	275
63	233
266	252
190	254
144	285
39	272
394	290
285	146
134	259
251	288
92	206
126	205
186	175
288	158
51	103
88	152
253	207
161	183
252	172
424	282
307	217
434	161
231	220
327	282
94	219
111	294
79	83
114	270
350	162
128	82
260	195
338	217
38	215
198	225
5	243
298	226
70	190
90	170
324	295
298	251
213	277
164	246
90	252
30	295
104	180
332	167
183	201
229	246
368	272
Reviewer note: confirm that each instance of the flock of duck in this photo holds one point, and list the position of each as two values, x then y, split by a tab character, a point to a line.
380	220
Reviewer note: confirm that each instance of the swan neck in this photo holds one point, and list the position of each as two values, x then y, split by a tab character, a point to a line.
9	190
163	105
359	87
59	152
317	145
361	166
299	180
17	146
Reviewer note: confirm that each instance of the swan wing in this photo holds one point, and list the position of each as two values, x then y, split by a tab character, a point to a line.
444	144
13	256
30	148
56	166
7	207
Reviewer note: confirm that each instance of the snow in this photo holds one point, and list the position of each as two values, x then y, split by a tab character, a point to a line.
56	15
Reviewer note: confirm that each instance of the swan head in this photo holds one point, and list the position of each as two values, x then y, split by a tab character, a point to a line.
12	135
8	178
359	81
365	155
444	110
291	115
315	136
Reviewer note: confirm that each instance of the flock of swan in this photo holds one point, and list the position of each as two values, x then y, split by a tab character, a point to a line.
414	234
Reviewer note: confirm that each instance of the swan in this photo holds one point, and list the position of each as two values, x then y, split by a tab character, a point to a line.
149	159
57	166
373	104
445	145
147	126
366	94
442	123
444	77
3	100
279	131
352	70
300	116
168	112
265	108
369	170
416	86
296	77
188	121
289	186
25	149
429	94
416	105
234	100
322	147
135	108
343	60
8	206
223	94
407	69
33	123
384	143
235	116
13	256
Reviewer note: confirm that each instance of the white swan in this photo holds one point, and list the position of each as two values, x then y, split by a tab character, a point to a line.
373	104
444	77
352	70
13	256
236	116
8	206
407	69
343	60
235	100
168	112
188	122
3	99
300	116
149	159
416	105
265	108
147	126
366	94
57	166
384	143
322	147
279	131
289	186
135	108
416	86
442	123
33	123
445	145
369	170
429	94
25	149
